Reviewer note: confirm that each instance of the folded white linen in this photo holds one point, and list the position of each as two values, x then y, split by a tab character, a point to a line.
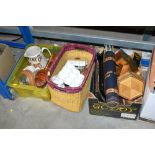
68	75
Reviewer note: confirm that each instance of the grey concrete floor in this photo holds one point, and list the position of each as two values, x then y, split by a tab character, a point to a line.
29	113
33	113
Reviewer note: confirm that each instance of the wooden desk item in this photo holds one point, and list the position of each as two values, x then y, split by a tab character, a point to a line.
123	59
130	85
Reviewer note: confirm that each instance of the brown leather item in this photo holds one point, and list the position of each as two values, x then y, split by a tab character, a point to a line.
29	76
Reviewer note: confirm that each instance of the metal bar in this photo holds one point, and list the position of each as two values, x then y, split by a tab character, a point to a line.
146	37
148	33
93	37
5	90
13	69
89	36
26	33
100	40
13	44
10	30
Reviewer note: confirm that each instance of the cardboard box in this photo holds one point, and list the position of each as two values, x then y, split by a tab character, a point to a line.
125	109
7	61
148	108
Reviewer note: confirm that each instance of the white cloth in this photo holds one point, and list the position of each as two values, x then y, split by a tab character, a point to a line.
68	75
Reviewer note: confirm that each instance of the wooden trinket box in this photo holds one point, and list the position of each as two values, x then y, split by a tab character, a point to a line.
130	85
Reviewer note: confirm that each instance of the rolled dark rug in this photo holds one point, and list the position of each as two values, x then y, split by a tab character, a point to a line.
110	79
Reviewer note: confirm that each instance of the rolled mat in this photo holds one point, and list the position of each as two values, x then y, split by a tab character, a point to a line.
110	79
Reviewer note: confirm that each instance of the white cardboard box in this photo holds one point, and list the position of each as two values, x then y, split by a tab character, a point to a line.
148	103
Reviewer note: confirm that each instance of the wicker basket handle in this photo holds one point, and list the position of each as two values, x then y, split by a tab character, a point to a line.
79	47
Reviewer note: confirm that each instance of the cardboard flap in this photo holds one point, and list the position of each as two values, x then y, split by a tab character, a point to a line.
7	61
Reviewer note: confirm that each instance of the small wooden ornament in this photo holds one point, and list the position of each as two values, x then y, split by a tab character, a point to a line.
130	86
124	59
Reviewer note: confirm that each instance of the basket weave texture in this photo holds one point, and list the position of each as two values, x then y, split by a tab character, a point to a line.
70	98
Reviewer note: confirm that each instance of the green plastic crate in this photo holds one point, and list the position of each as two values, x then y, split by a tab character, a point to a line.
26	90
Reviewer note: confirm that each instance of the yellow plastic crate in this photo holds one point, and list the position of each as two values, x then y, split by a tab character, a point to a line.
26	90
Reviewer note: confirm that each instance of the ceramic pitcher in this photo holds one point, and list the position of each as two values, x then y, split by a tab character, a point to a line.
36	57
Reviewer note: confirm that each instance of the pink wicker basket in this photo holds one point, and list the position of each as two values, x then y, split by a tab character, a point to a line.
72	98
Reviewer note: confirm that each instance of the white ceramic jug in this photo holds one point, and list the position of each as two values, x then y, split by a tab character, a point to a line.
36	57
